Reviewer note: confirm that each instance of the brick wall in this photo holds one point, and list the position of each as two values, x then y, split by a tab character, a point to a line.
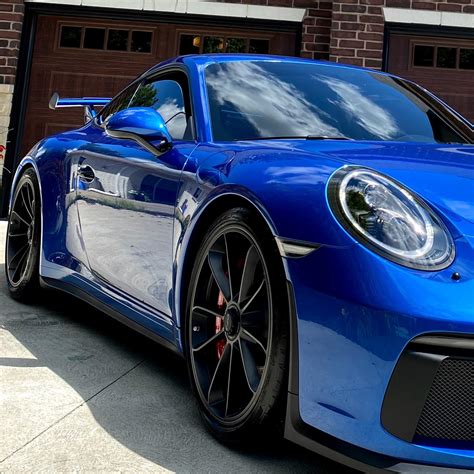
11	20
316	30
357	26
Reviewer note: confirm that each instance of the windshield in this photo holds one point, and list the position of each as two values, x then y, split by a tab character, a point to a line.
251	100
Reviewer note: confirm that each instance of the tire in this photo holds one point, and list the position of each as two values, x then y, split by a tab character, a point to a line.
22	247
241	323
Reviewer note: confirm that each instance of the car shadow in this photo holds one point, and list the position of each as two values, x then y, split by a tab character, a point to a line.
137	391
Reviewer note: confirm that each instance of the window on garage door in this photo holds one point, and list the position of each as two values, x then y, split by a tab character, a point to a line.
106	38
198	43
442	65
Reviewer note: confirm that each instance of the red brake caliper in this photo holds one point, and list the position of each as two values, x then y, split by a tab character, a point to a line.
220	344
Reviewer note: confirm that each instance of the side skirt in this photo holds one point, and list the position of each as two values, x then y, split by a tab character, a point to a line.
83	295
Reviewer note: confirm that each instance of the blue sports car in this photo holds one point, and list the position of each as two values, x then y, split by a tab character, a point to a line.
301	232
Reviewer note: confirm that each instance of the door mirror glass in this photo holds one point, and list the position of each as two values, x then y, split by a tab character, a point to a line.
142	124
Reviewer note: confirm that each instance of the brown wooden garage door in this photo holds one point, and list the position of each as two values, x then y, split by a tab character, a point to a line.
82	57
445	66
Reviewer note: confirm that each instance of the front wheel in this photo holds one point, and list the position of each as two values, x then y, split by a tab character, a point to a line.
23	239
237	328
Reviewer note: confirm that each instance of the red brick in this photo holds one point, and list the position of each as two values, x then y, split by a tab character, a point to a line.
398	3
6	7
320	13
12	62
370	36
5	25
424	6
373	2
351	44
10	34
307	38
353	26
321	56
374	45
7	16
374	63
325	5
309	21
354	8
303	3
364	53
344	34
374	11
448	7
371	19
468	9
352	61
343	52
8	52
371	28
19	8
344	17
5	70
323	22
322	38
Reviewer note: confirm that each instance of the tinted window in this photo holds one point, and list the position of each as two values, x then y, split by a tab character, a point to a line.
423	55
118	40
466	60
141	41
120	102
166	96
265	99
70	37
94	38
446	57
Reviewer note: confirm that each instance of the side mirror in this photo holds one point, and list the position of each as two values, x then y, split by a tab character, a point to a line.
142	124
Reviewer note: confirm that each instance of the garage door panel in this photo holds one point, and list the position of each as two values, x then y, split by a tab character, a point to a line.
64	63
455	85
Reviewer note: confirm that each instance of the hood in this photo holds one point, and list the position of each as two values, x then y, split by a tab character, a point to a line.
443	175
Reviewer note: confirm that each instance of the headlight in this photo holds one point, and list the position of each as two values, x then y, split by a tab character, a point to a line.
389	219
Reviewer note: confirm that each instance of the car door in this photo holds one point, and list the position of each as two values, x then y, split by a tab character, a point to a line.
126	195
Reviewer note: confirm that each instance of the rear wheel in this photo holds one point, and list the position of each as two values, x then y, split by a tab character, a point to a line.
23	239
237	328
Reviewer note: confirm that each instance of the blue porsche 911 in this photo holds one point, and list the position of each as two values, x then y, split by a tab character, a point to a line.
301	232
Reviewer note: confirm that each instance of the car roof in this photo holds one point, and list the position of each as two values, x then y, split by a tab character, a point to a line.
205	59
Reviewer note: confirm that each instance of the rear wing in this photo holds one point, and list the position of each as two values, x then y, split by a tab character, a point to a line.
88	103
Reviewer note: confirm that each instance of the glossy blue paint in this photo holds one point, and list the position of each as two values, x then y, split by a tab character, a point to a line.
144	122
124	237
84	102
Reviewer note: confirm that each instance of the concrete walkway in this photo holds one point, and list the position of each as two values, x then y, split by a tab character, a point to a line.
80	392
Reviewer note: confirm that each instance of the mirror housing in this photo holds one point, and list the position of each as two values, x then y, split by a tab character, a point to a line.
142	124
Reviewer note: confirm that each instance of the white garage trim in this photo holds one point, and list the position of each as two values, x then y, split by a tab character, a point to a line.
424	17
194	7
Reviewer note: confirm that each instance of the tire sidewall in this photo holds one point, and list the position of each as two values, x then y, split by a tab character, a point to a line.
273	387
27	287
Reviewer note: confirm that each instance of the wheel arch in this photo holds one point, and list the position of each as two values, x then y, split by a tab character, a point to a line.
25	164
190	245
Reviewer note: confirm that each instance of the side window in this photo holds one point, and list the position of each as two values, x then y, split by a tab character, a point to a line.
120	102
167	97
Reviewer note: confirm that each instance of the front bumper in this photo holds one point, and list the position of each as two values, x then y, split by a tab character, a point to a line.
356	314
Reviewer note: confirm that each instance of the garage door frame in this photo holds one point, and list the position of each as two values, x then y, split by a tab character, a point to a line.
33	10
420	30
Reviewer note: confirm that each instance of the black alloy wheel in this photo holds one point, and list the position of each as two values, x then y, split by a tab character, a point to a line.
23	239
237	327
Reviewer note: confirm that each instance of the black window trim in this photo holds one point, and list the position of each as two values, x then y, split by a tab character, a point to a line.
155	75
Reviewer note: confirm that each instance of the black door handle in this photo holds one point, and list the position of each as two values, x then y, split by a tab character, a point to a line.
86	173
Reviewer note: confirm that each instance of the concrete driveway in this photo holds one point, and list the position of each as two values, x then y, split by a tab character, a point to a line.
81	392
